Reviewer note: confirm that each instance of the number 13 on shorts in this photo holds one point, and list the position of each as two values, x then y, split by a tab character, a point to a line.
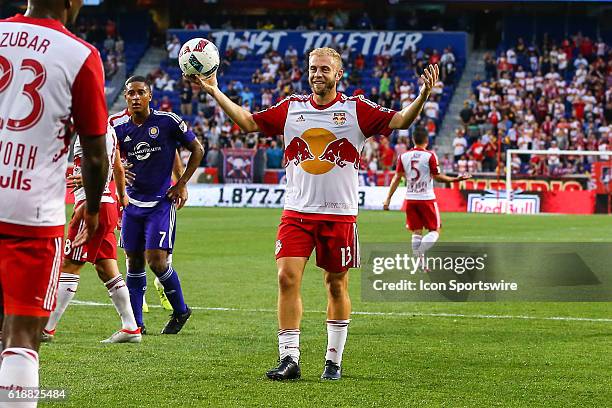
346	255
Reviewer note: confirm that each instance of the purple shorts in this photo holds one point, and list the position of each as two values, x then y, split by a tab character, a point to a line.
149	228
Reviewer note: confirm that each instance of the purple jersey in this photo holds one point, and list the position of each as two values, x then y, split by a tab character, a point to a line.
150	148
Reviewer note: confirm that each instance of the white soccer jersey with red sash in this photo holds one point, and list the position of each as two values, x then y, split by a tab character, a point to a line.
322	150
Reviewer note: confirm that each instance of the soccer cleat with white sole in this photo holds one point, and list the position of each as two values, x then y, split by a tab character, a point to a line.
124	336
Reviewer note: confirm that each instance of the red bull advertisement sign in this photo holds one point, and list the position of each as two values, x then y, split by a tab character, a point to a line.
570	183
497	202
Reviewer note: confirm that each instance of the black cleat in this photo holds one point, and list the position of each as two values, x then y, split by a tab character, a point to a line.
332	371
143	329
288	369
176	322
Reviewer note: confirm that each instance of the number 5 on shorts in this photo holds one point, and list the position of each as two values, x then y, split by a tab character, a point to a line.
163	236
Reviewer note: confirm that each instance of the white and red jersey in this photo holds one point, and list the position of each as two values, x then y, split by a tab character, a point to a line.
111	148
419	166
47	76
322	149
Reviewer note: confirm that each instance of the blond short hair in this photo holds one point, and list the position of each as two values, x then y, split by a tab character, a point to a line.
327	52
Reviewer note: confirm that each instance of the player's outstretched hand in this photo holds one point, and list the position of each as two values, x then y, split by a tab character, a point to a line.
207	84
463	176
430	78
386	204
91	225
178	194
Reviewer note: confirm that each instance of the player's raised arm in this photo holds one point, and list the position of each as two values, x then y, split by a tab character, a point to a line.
237	113
404	118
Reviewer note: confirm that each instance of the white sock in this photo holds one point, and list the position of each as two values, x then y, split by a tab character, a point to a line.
289	344
337	330
68	284
19	370
120	296
416	243
428	241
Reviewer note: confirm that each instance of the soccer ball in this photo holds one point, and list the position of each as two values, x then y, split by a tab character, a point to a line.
199	56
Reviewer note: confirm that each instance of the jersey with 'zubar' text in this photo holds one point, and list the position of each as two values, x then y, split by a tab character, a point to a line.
150	148
419	166
48	78
322	149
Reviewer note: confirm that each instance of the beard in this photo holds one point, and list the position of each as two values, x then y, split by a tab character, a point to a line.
325	89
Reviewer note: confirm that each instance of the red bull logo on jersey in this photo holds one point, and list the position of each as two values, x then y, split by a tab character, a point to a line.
297	151
339	118
318	151
341	152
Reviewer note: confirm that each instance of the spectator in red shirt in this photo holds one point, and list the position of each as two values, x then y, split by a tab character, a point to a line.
579	108
111	28
476	151
435	57
431	128
503	66
541	110
359	62
165	105
586	48
490	155
567	48
494	118
386	154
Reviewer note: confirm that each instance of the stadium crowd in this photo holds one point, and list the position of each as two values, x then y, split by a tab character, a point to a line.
539	97
547	96
106	38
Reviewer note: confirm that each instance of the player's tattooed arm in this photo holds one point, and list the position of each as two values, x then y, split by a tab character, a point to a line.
237	113
120	182
404	118
178	192
394	184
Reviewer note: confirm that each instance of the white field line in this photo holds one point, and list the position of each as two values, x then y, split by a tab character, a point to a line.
391	314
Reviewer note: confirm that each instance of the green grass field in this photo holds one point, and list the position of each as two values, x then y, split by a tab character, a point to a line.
419	354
